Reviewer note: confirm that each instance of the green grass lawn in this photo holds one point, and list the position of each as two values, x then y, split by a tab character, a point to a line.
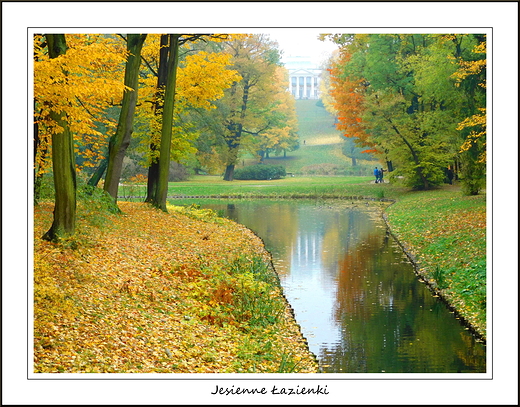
298	186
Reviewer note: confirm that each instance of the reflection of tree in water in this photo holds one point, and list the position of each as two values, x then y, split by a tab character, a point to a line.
388	321
392	323
354	290
276	223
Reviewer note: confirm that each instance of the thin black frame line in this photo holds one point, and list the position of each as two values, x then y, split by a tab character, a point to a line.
262	27
154	378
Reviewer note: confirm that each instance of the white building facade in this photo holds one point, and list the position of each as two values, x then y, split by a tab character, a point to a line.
304	78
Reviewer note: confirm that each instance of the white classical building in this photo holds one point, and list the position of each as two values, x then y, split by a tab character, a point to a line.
304	77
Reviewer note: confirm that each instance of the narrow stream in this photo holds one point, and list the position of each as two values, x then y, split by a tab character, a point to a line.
353	290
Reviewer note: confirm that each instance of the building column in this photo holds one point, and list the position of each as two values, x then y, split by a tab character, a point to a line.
312	88
304	86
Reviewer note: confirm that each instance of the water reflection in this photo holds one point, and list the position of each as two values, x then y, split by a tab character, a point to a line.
353	291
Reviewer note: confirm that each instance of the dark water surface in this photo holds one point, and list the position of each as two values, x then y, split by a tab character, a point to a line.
353	290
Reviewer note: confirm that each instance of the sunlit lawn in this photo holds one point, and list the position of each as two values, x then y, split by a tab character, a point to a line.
206	185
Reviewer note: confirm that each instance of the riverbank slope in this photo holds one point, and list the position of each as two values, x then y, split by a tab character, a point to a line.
444	233
151	292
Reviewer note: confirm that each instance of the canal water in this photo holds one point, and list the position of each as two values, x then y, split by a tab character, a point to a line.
353	290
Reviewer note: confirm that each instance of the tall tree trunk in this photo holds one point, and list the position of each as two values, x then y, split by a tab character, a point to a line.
152	181
121	139
233	144
167	123
98	174
63	163
419	169
153	169
230	172
236	135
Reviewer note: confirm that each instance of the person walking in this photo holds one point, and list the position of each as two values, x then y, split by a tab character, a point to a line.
376	174
381	175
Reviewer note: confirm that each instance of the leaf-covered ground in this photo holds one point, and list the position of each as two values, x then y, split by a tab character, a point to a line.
146	291
446	233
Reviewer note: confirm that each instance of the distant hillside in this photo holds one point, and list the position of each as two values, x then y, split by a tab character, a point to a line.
320	146
315	124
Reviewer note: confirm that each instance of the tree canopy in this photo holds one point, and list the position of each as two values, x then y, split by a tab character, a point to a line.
416	99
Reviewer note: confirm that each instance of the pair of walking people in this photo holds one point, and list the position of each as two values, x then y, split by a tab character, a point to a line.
378	173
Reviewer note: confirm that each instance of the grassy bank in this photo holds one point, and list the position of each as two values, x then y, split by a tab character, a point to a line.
445	232
150	292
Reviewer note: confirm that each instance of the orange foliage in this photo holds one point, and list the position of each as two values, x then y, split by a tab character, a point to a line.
348	96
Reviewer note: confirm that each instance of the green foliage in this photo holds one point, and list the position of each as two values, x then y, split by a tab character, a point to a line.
473	177
260	172
244	292
194	211
416	90
439	277
44	188
412	178
96	204
288	365
352	151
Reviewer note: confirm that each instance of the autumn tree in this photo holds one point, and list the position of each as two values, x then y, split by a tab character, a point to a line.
63	165
326	84
157	107
471	79
93	84
121	139
199	79
253	58
400	90
241	115
75	80
276	129
161	190
348	96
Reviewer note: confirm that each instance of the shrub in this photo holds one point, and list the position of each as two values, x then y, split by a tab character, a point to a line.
336	169
260	171
177	172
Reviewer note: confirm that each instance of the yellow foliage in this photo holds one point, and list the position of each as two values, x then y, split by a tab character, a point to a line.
468	68
82	84
202	78
478	121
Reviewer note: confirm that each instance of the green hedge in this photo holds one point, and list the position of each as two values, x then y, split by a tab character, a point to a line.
260	171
